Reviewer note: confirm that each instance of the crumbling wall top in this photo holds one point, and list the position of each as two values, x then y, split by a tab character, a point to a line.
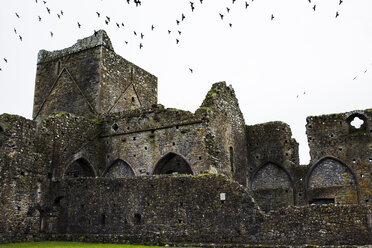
99	38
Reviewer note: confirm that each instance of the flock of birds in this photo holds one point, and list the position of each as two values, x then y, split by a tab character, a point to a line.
193	5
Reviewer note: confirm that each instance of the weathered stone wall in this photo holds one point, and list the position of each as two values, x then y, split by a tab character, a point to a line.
341	158
226	132
158	209
22	171
89	79
272	176
143	138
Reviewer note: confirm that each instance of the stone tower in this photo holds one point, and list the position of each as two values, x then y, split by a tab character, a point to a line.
90	79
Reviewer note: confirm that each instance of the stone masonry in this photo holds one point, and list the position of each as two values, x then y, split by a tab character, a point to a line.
102	161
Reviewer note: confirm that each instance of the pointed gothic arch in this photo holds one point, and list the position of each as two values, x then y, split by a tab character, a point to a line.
331	181
272	187
79	168
119	169
172	163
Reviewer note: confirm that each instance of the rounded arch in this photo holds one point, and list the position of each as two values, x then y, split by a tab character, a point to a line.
172	163
329	180
119	169
272	187
79	168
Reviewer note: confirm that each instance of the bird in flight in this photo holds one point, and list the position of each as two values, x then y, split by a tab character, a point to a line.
141	45
152	27
48	10
59	17
272	17
221	16
79	25
169	31
98	14
118	25
183	17
44	2
126	42
39	18
122	24
20	37
201	1
108	18
177	41
61	12
179	32
15	31
106	22
6	61
233	1
191	70
17	14
228	10
142	35
336	14
314	7
246	5
192	6
51	34
230	24
135	33
178	22
340	2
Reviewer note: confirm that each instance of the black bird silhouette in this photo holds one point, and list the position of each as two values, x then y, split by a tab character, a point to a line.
39	18
340	2
233	1
51	34
246	5
44	2
1	69
128	1
142	35
15	31
221	16
183	17
354	78
6	61
230	24
152	27
178	22
272	17
98	14
59	17
108	18
106	22
365	71
179	32
201	1
228	10
126	42
141	45
36	1
191	70
192	6
169	31
177	41
122	24
135	33
48	10
118	25
314	7
20	37
137	2
309	1
61	12
336	14
17	14
79	25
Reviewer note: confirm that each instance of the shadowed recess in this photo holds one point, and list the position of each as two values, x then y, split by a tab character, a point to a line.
79	168
172	163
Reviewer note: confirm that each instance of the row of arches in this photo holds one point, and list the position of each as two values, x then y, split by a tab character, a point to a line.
327	181
168	164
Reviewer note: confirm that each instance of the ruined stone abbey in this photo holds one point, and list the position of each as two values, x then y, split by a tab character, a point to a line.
102	161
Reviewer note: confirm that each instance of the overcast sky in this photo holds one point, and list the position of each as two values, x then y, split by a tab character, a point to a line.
301	63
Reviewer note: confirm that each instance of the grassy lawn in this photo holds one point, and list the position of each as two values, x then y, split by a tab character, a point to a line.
69	244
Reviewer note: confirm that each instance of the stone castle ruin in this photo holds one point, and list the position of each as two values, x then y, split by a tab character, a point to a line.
102	161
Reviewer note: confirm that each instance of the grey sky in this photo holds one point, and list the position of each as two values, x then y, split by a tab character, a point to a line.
301	63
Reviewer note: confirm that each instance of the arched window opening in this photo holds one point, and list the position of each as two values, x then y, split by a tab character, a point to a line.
79	168
172	163
119	169
272	187
357	123
330	181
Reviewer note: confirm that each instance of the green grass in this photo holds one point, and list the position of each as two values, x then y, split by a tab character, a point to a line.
56	244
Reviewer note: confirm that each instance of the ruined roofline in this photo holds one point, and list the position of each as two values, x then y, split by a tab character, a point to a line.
99	38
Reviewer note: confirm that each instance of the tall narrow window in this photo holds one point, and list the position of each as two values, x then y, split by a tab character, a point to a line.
232	159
